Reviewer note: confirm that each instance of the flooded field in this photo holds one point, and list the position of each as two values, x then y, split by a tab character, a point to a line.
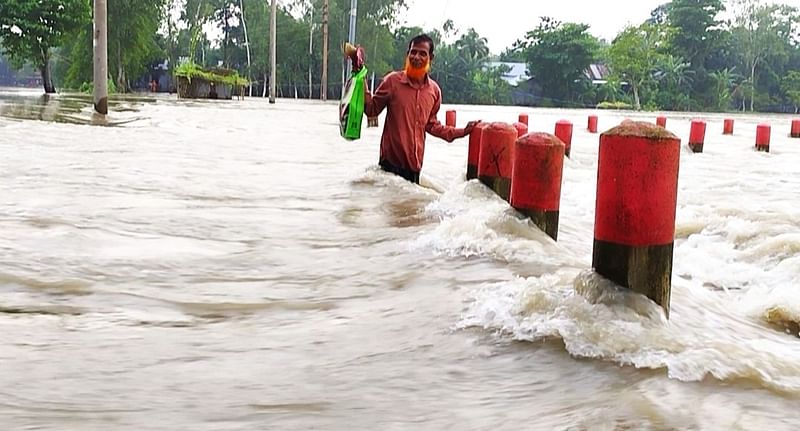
237	266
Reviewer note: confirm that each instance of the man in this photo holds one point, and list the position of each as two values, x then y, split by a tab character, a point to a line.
412	100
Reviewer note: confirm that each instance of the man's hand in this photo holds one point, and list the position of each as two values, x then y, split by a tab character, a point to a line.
471	125
356	55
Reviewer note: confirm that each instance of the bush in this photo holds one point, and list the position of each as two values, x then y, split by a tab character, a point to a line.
218	75
88	87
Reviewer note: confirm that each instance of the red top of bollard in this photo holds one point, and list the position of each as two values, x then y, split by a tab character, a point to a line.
640	129
539	138
564	122
500	127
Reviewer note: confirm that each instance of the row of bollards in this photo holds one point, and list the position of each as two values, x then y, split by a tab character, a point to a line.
697	133
637	186
637	190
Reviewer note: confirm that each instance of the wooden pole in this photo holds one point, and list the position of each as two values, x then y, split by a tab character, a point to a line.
272	51
324	89
310	52
100	35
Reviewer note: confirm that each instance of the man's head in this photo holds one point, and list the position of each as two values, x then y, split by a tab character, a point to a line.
419	56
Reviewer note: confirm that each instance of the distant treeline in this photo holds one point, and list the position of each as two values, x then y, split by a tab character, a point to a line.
684	57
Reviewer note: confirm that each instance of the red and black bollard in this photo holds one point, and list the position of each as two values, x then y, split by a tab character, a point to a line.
474	150
450	118
495	158
697	135
637	190
727	126
536	179
795	133
762	137
661	121
523	118
592	126
564	132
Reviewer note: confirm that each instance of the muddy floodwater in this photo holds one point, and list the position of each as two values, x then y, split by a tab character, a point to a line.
237	265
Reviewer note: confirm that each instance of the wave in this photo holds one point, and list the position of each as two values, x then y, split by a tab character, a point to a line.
595	319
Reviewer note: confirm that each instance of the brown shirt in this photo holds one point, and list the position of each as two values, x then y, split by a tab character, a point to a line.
412	110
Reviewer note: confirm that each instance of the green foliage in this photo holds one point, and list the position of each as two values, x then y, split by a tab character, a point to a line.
133	47
558	54
633	57
697	28
222	76
724	83
791	88
88	87
764	35
30	29
462	70
132	44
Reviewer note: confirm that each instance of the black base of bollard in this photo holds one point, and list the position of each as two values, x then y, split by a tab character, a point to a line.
646	270
763	149
547	221
697	148
472	172
500	185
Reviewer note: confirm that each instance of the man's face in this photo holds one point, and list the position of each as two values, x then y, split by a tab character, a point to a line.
419	54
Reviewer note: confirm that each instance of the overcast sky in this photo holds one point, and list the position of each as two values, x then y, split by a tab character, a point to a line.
504	21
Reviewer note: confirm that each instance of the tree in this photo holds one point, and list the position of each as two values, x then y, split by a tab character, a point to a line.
724	84
133	44
696	33
473	46
697	28
634	58
515	53
676	77
762	32
459	63
557	55
133	47
30	29
791	88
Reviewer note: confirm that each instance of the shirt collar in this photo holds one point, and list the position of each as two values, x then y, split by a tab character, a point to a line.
404	79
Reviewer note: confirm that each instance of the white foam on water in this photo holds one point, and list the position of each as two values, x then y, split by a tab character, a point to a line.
736	269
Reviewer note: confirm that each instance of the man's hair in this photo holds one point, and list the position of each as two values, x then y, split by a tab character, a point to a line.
419	39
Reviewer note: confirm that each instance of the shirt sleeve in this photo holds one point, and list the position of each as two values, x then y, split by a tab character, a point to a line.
435	128
375	103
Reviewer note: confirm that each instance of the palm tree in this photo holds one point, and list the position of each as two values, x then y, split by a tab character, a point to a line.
473	45
675	72
725	80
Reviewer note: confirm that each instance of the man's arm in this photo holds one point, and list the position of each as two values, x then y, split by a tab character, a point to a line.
375	103
435	128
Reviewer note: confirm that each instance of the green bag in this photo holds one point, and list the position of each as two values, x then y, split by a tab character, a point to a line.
351	106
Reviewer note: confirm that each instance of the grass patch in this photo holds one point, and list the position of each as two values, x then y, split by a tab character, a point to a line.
613	105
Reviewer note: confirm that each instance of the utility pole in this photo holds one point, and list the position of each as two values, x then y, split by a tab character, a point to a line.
272	50
246	44
324	89
100	35
351	35
310	51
